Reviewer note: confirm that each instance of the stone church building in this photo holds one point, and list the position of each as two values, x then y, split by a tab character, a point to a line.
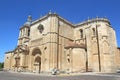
51	42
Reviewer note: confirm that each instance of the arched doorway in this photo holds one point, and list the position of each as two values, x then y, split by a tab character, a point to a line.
36	60
17	62
37	64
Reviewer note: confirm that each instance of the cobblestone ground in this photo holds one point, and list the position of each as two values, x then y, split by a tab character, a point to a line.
91	76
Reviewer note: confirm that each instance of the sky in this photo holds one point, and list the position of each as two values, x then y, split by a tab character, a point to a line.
14	13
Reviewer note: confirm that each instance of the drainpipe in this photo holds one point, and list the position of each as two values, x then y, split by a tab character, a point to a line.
98	49
86	54
58	46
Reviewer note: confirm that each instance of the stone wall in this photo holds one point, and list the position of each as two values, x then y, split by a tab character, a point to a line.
8	63
47	40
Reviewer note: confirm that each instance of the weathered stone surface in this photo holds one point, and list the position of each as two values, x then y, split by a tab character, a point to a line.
43	46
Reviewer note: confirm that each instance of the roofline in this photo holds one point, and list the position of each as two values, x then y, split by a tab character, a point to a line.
93	20
40	19
68	22
54	14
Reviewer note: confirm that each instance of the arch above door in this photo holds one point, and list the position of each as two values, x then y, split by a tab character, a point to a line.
36	51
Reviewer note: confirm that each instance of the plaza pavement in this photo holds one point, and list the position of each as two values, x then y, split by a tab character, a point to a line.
74	76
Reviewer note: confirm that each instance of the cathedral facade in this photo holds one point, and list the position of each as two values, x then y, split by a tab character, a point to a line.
51	42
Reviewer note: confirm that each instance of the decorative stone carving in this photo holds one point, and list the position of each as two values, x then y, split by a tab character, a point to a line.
21	48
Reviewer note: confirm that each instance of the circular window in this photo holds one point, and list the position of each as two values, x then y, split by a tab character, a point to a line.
40	28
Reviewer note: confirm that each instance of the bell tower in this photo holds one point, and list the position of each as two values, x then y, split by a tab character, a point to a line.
25	32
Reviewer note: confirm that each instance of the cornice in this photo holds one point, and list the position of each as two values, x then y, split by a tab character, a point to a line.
9	52
24	37
92	21
24	26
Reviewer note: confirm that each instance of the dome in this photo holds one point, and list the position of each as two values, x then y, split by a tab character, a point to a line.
29	21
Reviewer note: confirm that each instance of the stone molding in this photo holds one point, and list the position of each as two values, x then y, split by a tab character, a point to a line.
93	20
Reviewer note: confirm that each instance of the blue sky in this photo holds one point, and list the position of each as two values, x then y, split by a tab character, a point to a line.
13	14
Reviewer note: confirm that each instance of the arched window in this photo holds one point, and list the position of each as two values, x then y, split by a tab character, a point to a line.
93	30
24	32
81	33
28	32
